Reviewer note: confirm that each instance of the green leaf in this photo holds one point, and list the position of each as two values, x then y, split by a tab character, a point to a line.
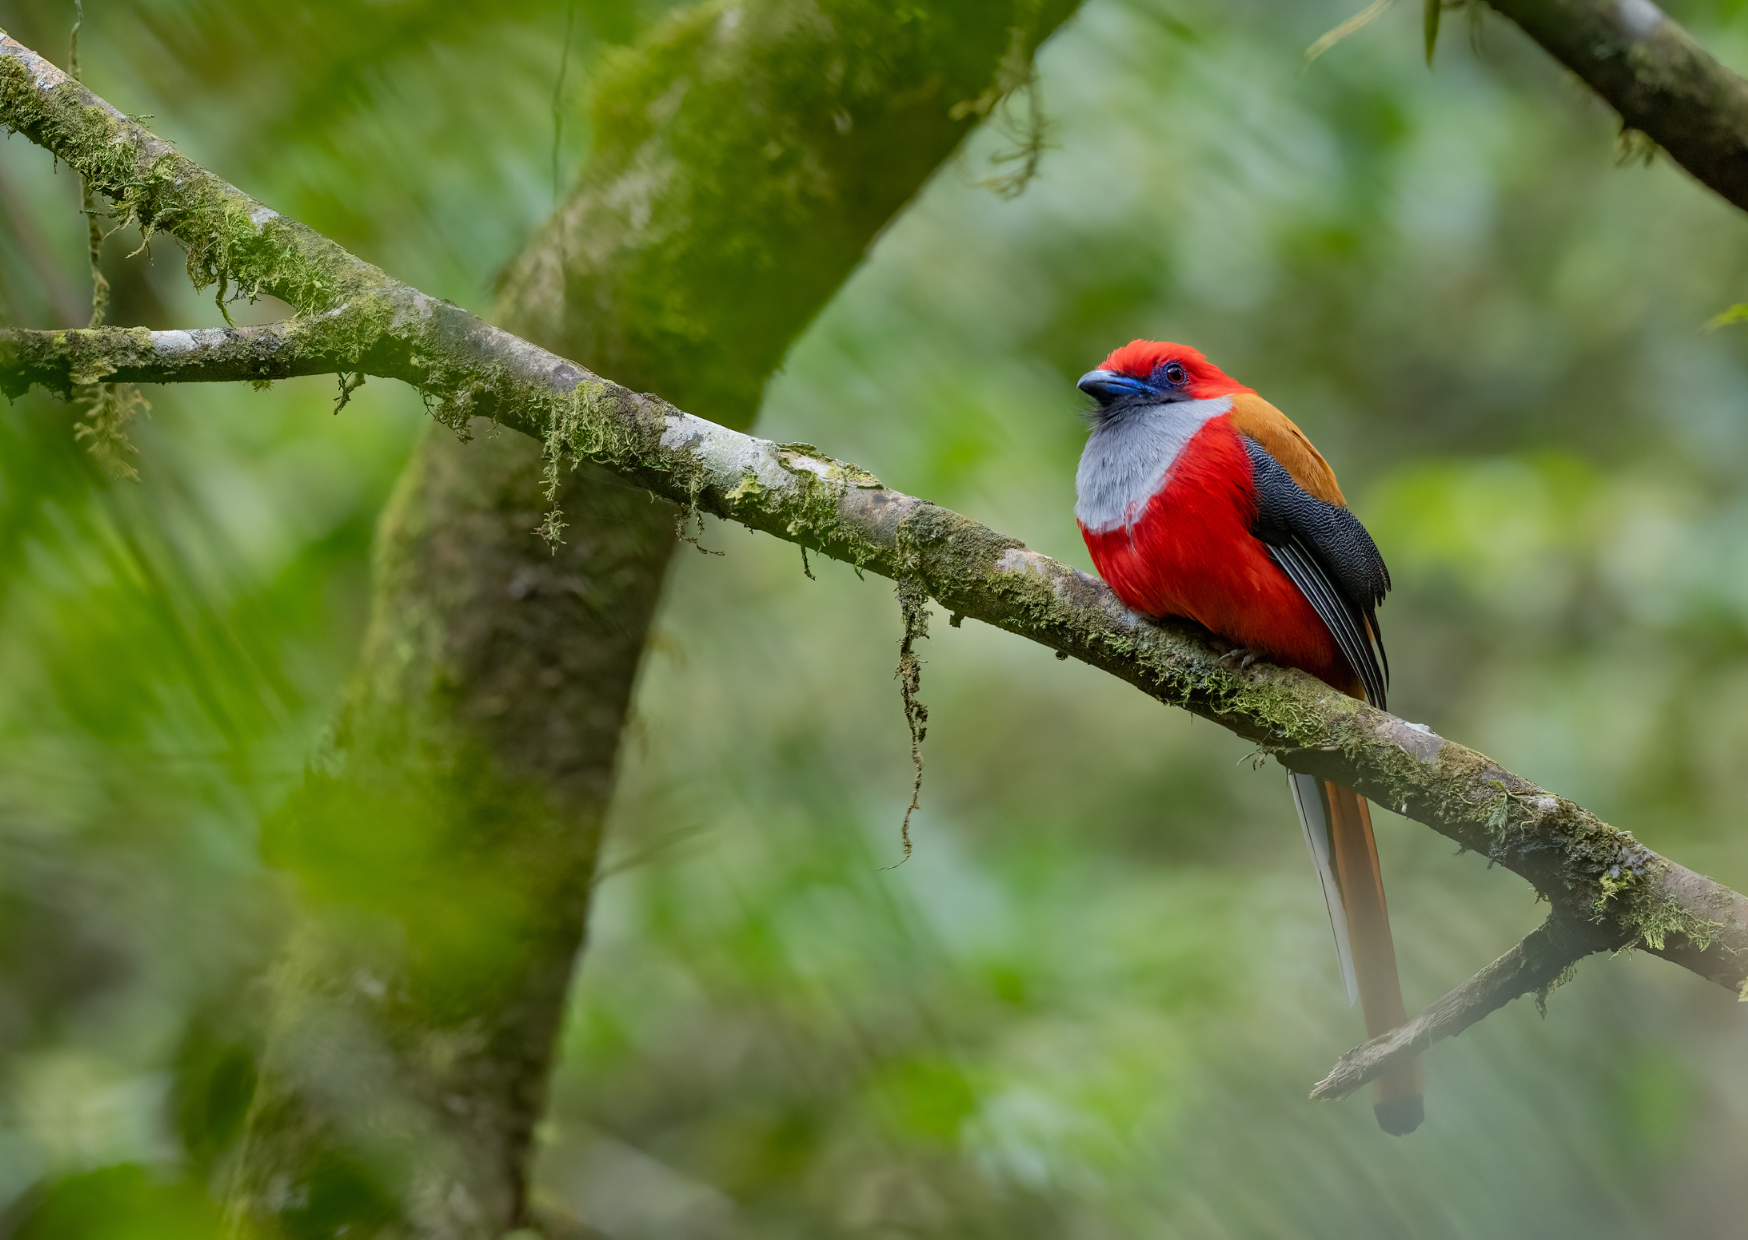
1735	314
1433	10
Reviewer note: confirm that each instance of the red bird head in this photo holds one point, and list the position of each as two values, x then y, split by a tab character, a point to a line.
1153	372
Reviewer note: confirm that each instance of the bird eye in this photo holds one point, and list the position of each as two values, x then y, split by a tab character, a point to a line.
1175	374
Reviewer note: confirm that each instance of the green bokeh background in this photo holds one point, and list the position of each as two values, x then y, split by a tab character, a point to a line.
1092	1002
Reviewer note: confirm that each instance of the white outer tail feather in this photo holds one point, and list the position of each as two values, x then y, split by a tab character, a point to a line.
1314	818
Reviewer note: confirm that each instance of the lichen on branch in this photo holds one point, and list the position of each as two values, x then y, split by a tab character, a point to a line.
109	407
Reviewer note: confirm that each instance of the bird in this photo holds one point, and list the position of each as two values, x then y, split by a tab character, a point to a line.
1199	499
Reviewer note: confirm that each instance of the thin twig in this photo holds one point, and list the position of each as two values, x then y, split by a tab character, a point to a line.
88	196
564	62
1536	964
913	607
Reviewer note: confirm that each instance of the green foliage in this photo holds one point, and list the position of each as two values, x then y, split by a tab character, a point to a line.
121	1202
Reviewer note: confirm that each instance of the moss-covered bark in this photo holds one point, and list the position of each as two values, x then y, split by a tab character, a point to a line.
232	241
63	360
444	842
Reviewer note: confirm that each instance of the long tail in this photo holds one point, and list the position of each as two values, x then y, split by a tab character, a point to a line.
1338	829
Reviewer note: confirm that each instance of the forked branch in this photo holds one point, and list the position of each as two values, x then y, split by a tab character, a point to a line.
1534	966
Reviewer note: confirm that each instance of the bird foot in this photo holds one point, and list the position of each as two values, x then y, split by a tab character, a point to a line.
1244	656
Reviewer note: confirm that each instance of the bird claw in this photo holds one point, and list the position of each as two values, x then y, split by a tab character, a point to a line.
1244	656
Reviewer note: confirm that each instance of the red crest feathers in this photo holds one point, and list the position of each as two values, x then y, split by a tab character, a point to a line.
1140	358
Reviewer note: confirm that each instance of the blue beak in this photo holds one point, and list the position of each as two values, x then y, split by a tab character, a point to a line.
1106	386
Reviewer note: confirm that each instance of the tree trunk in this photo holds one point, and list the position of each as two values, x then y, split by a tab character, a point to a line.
444	842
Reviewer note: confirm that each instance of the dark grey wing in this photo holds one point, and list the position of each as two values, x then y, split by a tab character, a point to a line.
1346	625
1325	551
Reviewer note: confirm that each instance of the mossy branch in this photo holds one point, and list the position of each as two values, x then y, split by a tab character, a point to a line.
1662	83
232	241
61	361
367	323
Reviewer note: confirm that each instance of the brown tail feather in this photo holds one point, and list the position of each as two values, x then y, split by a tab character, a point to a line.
1396	1095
